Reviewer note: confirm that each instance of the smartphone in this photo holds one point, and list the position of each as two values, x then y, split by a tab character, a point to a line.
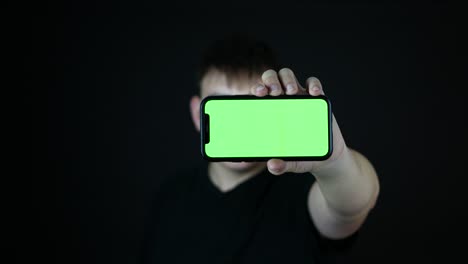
250	128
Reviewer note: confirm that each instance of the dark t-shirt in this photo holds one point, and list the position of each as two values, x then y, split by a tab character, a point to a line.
263	220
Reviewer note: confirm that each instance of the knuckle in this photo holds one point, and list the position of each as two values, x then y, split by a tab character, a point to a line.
312	80
286	72
269	74
271	80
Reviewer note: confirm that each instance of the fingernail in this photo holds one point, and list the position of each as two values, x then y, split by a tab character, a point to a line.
290	88
259	88
274	87
274	168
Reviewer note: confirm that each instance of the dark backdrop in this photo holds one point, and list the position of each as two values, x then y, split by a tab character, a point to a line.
111	85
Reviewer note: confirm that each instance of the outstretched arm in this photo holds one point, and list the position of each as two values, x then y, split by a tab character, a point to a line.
347	185
344	193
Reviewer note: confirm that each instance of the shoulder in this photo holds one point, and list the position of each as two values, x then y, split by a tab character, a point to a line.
175	183
180	176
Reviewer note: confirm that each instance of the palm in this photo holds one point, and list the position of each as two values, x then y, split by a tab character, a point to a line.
274	84
308	166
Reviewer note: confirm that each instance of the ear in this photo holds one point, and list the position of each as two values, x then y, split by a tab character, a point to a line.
195	111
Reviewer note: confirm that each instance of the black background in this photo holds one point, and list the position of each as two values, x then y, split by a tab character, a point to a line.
111	86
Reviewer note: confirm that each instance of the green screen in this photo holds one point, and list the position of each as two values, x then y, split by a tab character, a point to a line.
267	127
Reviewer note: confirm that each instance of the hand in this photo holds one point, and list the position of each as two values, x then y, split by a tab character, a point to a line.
285	82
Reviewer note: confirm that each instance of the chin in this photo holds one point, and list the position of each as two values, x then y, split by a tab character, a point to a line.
240	166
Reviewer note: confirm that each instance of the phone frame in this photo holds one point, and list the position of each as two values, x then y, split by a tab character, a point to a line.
204	132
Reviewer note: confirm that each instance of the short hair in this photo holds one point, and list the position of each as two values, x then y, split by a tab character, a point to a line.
236	54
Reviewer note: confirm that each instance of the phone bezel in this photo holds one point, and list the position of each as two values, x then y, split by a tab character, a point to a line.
252	97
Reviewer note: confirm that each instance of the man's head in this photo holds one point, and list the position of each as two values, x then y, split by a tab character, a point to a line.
231	66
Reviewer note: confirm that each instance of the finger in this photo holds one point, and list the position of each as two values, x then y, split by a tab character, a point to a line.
278	167
314	86
288	80
259	90
270	79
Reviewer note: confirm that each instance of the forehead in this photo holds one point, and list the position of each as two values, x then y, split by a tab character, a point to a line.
216	82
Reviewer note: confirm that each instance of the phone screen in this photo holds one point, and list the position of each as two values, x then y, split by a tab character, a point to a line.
259	128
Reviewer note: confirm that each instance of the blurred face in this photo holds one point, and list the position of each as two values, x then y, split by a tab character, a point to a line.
216	83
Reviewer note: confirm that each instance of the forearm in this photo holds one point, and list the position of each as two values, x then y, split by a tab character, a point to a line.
349	185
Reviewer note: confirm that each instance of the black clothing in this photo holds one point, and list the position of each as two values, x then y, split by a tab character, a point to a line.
263	220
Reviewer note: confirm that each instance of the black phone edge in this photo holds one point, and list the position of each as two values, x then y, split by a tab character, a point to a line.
250	159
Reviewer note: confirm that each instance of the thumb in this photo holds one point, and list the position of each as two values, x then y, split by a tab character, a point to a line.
278	167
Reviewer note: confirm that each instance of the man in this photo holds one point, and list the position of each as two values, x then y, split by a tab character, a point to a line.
259	212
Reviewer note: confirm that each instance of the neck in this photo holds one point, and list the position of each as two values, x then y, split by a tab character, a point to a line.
226	179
